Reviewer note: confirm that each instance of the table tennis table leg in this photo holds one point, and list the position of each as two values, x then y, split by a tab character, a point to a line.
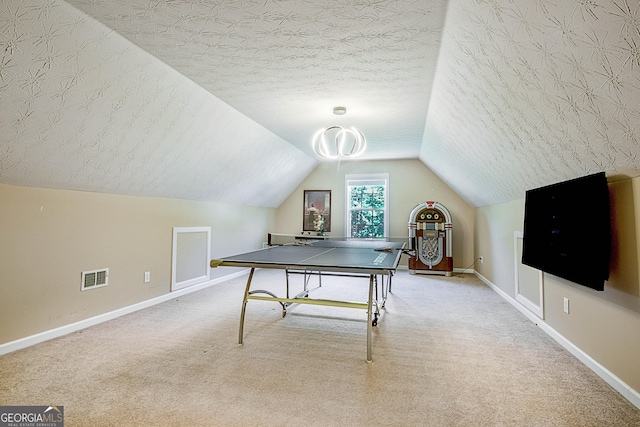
369	320
244	306
377	300
286	272
386	288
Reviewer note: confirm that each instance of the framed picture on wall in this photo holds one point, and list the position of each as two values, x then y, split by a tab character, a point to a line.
317	211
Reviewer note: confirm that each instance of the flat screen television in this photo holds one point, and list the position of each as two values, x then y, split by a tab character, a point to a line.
567	230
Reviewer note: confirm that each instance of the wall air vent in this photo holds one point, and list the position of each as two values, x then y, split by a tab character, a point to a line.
95	279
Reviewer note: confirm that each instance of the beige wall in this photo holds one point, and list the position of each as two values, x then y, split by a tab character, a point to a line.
605	325
494	227
410	182
50	236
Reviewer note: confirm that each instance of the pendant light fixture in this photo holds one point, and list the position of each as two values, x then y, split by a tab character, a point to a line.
334	142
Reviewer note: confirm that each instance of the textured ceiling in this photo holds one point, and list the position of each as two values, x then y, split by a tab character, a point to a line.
81	108
287	63
531	92
218	100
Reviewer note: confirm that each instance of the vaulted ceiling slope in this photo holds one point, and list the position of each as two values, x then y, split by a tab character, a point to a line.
218	99
532	92
82	108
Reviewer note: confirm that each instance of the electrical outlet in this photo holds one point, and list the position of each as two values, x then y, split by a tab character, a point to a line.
481	260
565	307
147	276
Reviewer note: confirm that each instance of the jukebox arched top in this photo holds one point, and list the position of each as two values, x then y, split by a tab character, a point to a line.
430	212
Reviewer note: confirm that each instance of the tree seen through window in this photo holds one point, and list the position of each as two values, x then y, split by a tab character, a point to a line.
367	208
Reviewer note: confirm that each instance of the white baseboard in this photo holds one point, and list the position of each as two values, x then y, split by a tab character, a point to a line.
83	324
634	397
620	386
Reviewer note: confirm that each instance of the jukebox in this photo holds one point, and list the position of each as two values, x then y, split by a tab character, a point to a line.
430	250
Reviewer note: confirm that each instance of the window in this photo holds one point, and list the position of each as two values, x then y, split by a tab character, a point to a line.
367	201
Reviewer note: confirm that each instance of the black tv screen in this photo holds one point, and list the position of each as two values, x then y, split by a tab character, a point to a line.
567	230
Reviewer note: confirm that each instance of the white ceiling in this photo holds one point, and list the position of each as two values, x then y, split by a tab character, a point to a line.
287	63
218	99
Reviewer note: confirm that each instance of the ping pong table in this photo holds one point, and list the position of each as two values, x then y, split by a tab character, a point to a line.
366	258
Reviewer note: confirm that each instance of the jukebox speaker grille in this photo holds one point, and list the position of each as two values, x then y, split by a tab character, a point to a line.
431	250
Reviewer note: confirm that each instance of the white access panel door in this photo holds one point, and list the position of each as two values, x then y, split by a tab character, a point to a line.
529	281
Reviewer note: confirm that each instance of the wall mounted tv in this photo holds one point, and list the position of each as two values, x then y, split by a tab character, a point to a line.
567	230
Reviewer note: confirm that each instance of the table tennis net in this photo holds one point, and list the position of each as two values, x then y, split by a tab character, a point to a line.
280	239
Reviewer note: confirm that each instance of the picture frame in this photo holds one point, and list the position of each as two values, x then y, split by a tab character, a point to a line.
317	211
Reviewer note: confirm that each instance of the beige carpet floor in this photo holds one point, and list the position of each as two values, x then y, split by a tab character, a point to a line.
447	352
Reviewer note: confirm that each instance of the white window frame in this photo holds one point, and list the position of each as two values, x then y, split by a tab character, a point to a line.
351	180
